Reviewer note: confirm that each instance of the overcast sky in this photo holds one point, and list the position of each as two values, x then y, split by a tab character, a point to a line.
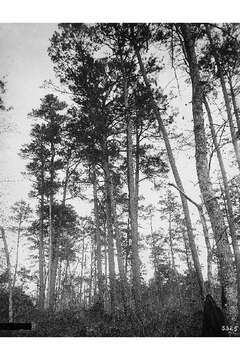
25	63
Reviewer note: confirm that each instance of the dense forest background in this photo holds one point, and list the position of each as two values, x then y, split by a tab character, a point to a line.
133	160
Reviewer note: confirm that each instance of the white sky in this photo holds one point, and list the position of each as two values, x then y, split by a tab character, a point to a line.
25	64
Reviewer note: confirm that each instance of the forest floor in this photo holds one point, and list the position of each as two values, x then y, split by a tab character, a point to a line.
94	323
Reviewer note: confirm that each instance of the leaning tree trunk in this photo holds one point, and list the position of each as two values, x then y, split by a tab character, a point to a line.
215	214
176	176
10	288
231	222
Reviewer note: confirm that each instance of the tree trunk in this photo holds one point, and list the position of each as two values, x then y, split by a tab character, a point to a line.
41	295
98	239
188	261
91	273
111	260
209	198
137	158
231	223
173	258
51	263
176	177
133	201
10	289
123	279
17	252
82	271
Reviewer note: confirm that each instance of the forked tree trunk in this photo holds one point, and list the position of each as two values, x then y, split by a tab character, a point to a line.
215	214
176	175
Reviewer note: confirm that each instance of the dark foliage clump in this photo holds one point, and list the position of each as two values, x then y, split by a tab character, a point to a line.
213	319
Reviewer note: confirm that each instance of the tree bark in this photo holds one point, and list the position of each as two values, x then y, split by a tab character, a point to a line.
176	177
215	214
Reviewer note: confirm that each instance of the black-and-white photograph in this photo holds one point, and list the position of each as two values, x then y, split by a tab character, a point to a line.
120	179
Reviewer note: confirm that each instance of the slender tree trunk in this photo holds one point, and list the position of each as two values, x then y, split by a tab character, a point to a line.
231	223
111	260
225	96
98	240
176	177
10	288
215	214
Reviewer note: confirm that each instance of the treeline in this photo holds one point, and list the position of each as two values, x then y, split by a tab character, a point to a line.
112	128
